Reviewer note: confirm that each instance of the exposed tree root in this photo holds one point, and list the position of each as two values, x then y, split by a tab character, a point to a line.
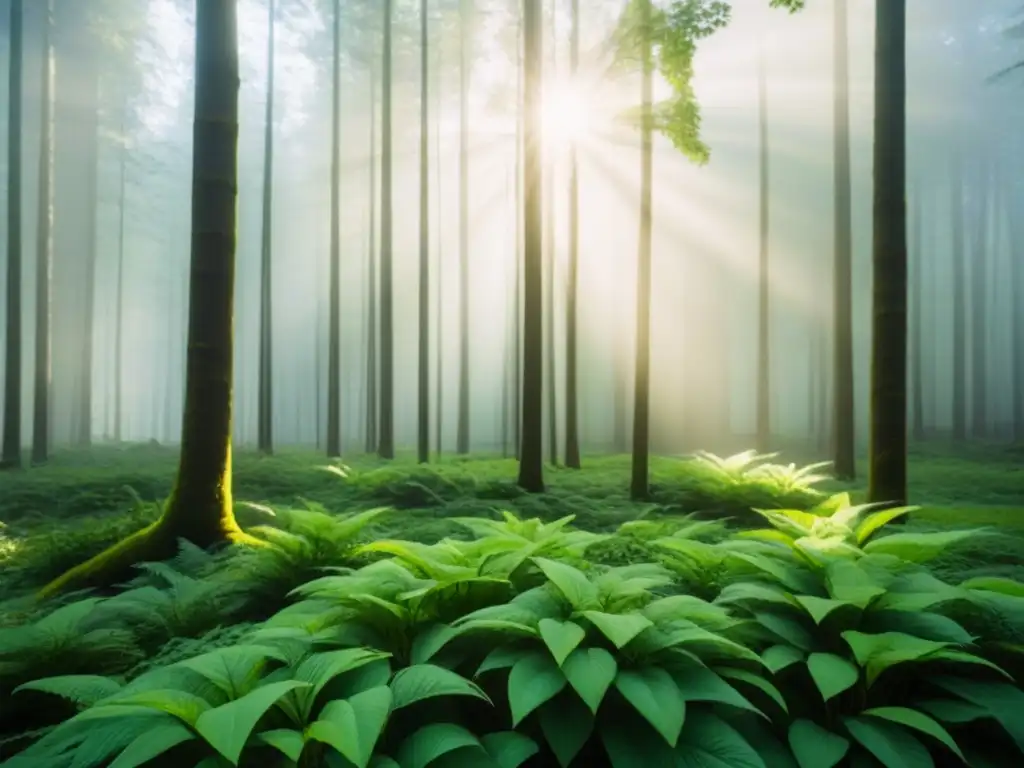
155	542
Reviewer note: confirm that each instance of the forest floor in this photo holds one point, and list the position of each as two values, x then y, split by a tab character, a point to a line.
681	550
57	516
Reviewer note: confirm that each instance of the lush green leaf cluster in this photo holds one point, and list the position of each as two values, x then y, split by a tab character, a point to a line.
822	641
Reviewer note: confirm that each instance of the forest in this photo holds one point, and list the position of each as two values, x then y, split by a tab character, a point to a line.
512	384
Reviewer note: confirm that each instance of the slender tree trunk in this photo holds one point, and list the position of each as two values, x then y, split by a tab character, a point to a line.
84	426
386	445
764	371
888	454
640	475
11	457
334	276
462	426
1017	332
980	306
517	282
423	432
372	315
549	265
844	423
119	310
916	355
572	430
44	255
200	506
531	452
959	298
265	418
439	311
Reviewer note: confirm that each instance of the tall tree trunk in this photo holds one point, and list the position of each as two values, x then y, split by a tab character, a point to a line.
640	471
549	265
956	183
462	425
764	371
372	315
517	281
980	305
11	457
1017	327
41	421
888	454
844	423
916	353
531	451
265	417
439	311
83	437
572	429
119	309
386	444
334	276
423	431
200	506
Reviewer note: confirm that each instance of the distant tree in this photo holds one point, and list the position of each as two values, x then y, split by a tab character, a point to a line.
119	308
888	448
200	506
265	398
764	368
372	312
979	282
11	456
916	225
44	253
959	272
844	423
423	384
386	437
572	429
462	426
334	271
531	452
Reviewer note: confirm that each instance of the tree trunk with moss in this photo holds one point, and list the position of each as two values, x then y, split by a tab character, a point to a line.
200	508
888	455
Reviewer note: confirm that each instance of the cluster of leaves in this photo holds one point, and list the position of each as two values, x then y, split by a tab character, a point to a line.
824	642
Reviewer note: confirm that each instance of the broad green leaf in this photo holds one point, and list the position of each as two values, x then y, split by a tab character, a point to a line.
832	674
183	705
561	637
955	711
502	657
1002	701
432	742
618	628
750	592
872	523
534	679
353	726
995	584
891	745
785	628
962	657
919	722
287	741
789	576
929	626
756	681
154	742
876	653
795	522
780	657
429	642
425	681
655	695
234	669
566	724
819	608
571	582
508	748
590	671
84	690
228	727
847	581
702	684
814	747
629	745
708	741
918	547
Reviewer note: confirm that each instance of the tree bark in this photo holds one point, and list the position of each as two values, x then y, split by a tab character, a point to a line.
888	449
265	398
386	438
462	425
334	271
423	431
764	429
572	429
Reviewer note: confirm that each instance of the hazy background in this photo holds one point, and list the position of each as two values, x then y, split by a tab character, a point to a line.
705	219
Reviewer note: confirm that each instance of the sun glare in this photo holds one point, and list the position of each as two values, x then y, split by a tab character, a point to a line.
565	113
